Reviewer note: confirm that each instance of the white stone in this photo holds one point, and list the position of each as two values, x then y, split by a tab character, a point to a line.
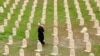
5	5
14	31
55	50
86	37
93	17
56	41
17	24
10	40
96	24
71	43
27	34
81	22
39	47
84	29
88	47
72	52
98	31
37	54
91	54
1	9
24	43
29	26
6	50
8	16
14	6
21	52
19	18
1	28
5	22
70	34
11	10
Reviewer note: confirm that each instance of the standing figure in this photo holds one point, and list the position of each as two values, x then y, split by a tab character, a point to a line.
41	34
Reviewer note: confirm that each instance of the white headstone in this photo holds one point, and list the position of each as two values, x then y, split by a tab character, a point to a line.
81	22
56	40
29	26
5	5
14	31
96	24
11	10
70	34
71	43
6	50
86	37
72	52
37	54
98	31
39	47
21	52
8	16
55	50
88	47
19	18
10	40
24	43
1	9
84	29
27	34
17	24
5	22
91	54
1	28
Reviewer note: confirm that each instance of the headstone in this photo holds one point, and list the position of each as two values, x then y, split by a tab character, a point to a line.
72	52
39	47
6	50
84	29
93	17
88	47
81	22
5	22
56	40
24	43
31	19
10	40
55	50
1	28
27	34
71	43
14	31
19	18
21	52
1	9
98	31
5	5
37	54
14	6
8	16
11	10
17	24
96	24
86	37
29	26
70	34
91	54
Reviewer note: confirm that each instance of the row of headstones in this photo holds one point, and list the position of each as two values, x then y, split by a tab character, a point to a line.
55	31
98	3
4	5
79	12
87	41
39	46
10	38
93	17
44	12
8	16
71	40
69	29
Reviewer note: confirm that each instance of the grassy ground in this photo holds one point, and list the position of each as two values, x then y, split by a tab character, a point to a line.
63	43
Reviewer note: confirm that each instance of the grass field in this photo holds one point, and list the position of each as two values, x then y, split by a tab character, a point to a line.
63	43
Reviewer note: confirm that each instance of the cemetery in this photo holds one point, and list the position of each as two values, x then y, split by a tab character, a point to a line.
72	27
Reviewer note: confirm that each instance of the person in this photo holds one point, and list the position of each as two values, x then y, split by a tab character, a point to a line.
41	34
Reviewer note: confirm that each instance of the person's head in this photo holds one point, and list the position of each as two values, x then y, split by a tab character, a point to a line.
39	24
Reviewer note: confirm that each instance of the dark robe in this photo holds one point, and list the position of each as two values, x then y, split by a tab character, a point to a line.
41	35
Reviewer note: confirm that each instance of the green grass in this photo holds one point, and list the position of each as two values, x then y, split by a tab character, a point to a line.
63	43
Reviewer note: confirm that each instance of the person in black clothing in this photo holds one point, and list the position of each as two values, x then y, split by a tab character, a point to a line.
41	34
